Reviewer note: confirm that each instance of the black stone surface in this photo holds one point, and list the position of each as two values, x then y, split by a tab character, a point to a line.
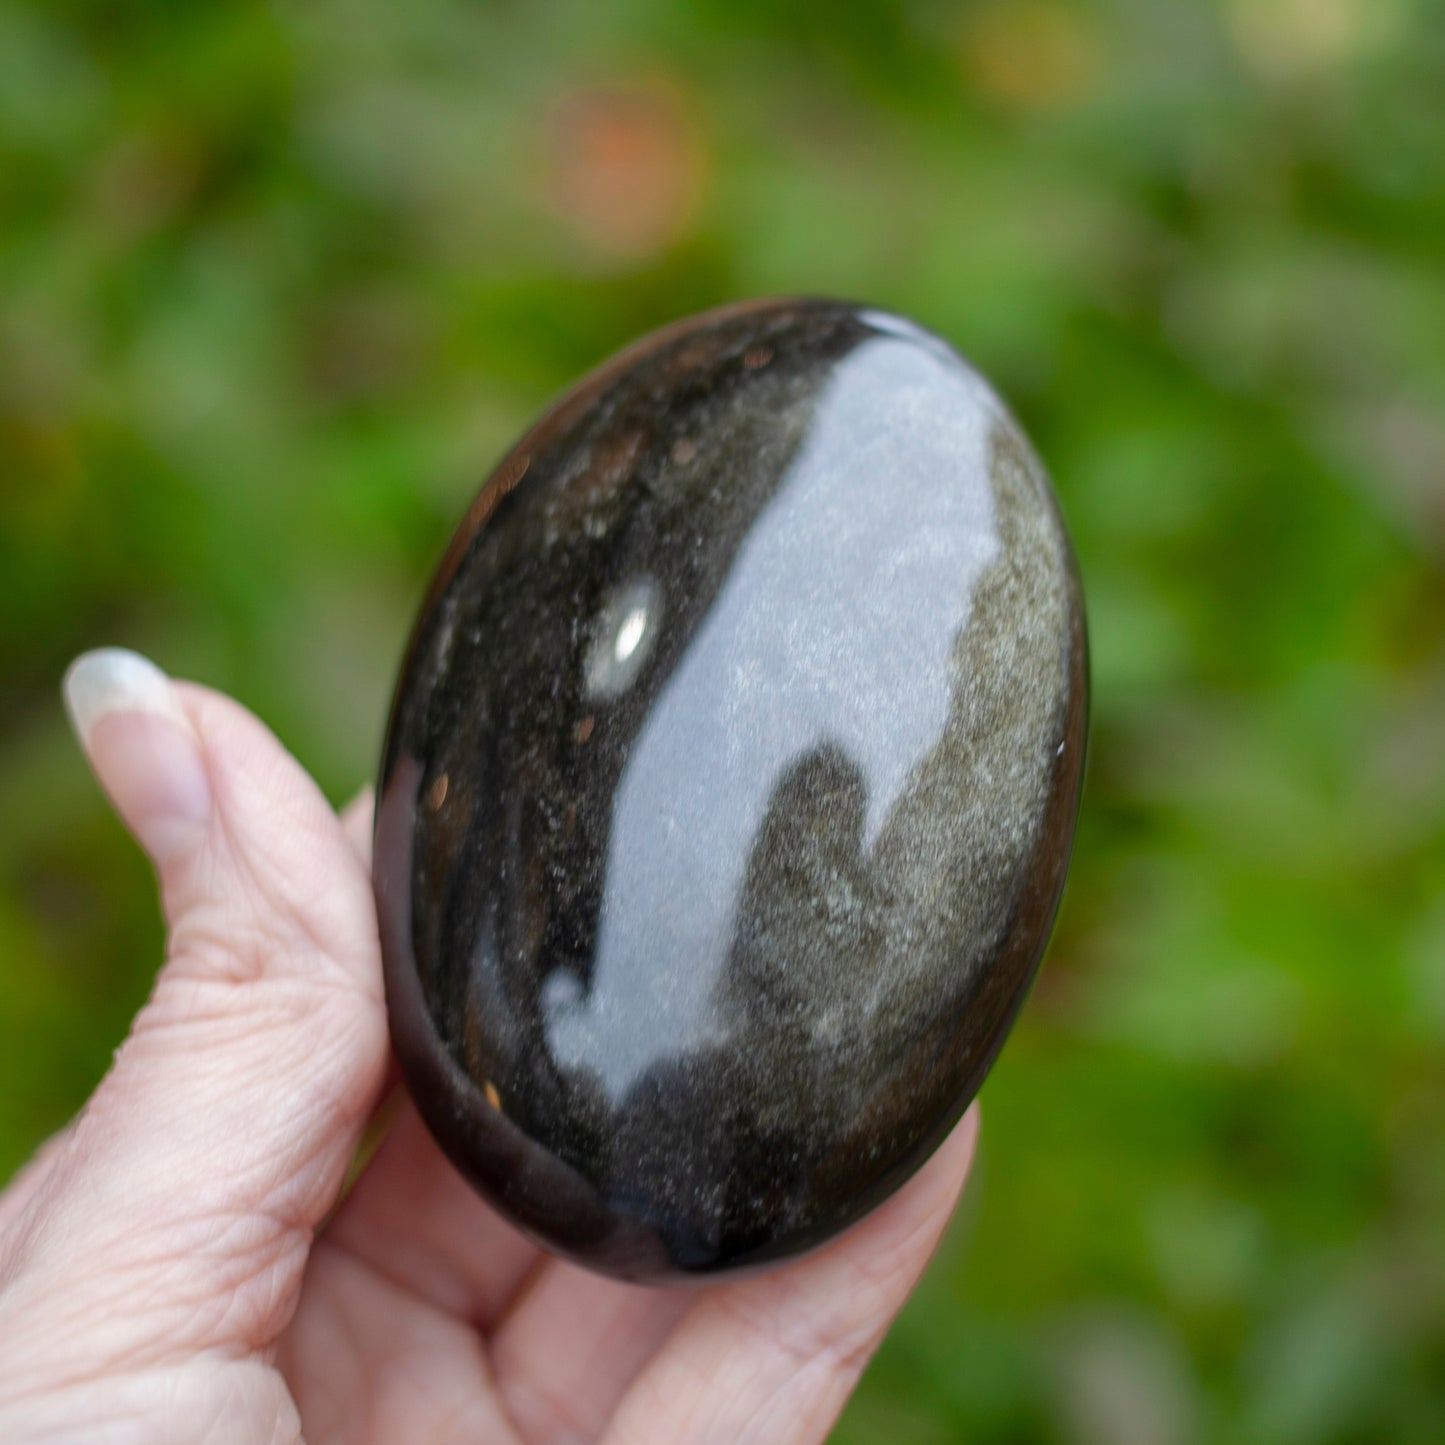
729	788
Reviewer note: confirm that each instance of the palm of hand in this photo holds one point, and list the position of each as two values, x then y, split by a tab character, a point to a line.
161	1274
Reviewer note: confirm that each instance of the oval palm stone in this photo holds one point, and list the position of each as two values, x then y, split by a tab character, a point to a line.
729	788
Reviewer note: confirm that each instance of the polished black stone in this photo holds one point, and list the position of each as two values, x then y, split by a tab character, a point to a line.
729	788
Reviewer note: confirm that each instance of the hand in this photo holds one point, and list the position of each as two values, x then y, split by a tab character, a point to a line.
162	1277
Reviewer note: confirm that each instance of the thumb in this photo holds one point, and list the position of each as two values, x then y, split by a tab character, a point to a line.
222	1133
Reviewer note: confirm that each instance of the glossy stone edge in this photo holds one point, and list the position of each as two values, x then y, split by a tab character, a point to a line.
542	1196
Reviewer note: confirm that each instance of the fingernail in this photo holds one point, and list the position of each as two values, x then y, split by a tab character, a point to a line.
113	679
140	742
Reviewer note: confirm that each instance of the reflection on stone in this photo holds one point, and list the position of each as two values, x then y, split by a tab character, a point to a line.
759	703
624	635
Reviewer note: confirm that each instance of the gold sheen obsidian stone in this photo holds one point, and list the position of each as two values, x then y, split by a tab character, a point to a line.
729	788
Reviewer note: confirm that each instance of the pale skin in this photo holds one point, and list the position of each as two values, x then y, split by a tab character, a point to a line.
175	1266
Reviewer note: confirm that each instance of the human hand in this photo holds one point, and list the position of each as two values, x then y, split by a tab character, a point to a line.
165	1273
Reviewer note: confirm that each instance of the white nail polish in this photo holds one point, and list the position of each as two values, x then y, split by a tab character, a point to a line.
114	679
142	746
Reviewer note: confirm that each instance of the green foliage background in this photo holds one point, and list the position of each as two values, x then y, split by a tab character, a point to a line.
279	282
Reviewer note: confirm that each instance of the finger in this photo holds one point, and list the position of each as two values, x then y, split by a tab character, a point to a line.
356	819
223	1130
572	1344
25	1185
416	1222
771	1359
367	1361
